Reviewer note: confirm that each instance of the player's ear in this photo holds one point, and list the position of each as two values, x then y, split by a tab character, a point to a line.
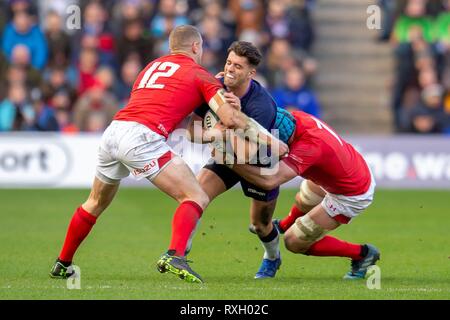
196	47
252	73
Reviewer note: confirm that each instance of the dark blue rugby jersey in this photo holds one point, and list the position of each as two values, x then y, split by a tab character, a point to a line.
257	103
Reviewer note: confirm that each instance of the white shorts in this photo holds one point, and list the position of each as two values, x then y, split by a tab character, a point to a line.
128	146
344	208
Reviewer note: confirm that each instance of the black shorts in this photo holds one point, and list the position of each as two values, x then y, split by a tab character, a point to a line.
230	178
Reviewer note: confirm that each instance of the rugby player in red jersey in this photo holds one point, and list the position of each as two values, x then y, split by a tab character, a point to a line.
165	92
338	186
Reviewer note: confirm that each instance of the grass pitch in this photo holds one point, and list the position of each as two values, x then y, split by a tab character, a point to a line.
117	260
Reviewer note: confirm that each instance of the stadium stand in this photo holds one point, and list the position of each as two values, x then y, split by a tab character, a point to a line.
319	56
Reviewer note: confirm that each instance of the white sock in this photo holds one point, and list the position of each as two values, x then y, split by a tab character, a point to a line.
272	248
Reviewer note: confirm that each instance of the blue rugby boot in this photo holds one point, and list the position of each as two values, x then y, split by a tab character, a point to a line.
268	268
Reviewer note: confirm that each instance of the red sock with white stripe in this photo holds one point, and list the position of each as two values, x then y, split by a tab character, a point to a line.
183	224
334	247
79	227
289	220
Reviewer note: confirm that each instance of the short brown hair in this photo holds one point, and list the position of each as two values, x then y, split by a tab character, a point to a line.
248	50
183	36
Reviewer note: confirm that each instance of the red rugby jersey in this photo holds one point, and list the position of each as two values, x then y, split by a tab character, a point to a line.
320	155
167	91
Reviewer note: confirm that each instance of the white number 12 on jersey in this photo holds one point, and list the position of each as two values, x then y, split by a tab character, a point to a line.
165	69
322	125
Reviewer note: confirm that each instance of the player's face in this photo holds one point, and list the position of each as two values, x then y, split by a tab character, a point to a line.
237	71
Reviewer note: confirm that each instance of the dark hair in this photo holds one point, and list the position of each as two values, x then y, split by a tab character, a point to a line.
248	50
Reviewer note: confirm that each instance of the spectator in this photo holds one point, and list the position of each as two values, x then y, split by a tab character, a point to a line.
278	60
58	81
86	69
129	72
96	33
216	40
249	15
134	41
22	31
15	6
389	8
277	21
3	70
294	95
106	77
301	34
214	9
99	62
63	117
96	98
413	23
44	116
16	113
163	23
96	122
3	15
428	116
442	26
58	41
20	70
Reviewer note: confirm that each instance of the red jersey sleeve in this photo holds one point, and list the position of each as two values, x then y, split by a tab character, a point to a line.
302	156
206	83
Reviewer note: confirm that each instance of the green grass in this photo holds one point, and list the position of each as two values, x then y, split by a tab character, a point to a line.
117	260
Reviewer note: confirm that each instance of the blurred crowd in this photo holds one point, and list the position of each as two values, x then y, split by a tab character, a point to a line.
69	65
420	33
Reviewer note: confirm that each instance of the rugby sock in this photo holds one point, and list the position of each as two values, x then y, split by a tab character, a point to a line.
271	244
289	220
183	224
331	246
79	227
191	238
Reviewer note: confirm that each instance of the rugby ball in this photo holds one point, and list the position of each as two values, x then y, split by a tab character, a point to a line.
210	119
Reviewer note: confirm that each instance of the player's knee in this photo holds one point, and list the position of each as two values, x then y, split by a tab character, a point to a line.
298	201
293	244
303	233
307	198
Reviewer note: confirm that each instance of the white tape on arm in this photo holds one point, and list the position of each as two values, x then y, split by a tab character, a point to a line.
217	100
254	130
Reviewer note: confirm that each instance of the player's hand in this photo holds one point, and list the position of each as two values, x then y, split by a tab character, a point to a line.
220	75
221	156
283	149
216	134
233	100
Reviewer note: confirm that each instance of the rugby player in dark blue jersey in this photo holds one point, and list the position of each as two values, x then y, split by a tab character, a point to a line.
255	101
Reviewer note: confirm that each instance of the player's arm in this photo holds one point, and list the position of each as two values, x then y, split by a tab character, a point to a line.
243	149
198	134
268	182
231	117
